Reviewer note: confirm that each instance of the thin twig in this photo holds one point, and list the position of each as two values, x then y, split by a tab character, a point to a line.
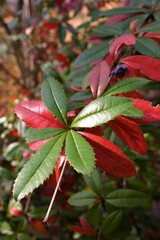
54	195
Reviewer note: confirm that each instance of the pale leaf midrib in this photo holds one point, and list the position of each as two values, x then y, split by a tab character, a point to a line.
58	107
106	109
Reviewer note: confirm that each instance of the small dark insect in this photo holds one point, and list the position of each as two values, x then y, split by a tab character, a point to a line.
119	71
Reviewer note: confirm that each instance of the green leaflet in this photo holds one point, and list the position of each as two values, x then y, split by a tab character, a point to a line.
55	99
147	47
116	11
38	168
127	85
111	223
45	133
133	113
79	153
103	31
128	198
101	111
92	54
152	27
82	198
94	182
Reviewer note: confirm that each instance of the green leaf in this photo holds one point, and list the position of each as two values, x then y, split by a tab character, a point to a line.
101	111
94	215
40	134
147	47
61	33
55	99
152	27
116	11
133	113
103	31
82	198
127	85
78	75
94	182
80	96
79	153
92	54
111	223
128	198
38	168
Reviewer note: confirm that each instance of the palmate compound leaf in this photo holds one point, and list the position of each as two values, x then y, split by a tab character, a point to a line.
128	198
38	168
101	111
79	153
55	99
127	85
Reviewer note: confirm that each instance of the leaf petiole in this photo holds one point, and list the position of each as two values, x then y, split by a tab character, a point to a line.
54	194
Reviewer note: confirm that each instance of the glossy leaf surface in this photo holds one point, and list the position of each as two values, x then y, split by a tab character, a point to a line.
101	111
55	99
36	115
127	85
79	153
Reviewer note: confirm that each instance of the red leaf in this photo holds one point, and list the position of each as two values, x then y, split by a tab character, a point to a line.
36	115
109	157
51	25
85	229
151	114
117	44
130	133
62	57
148	66
99	78
35	146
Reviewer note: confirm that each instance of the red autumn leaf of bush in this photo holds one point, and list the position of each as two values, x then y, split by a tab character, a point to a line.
109	157
130	133
51	25
117	44
36	115
151	113
98	78
84	229
148	66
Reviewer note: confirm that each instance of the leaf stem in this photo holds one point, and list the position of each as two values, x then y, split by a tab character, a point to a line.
54	195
